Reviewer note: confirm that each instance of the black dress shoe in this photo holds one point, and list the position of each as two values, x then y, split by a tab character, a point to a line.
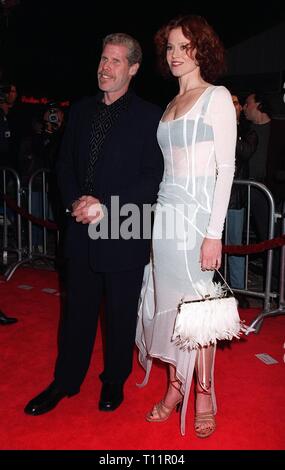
45	401
111	397
4	320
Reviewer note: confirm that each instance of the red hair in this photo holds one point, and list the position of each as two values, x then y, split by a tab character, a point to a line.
210	53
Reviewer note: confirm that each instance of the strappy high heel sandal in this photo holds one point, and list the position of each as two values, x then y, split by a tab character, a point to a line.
160	411
205	423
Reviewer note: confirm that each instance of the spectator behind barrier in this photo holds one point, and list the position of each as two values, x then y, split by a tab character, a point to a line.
39	150
265	165
11	125
246	145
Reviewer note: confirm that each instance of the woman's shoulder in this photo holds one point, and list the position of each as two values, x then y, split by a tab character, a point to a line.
220	91
220	98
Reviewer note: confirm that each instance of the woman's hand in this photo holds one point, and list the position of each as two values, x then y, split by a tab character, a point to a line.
210	254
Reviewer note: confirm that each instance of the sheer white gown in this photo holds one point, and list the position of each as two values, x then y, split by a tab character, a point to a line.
199	153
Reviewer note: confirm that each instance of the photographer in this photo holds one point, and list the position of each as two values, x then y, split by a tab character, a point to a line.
9	135
40	147
53	126
5	133
39	150
53	121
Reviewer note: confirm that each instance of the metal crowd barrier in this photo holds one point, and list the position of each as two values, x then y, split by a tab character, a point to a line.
43	204
10	185
280	310
266	294
28	253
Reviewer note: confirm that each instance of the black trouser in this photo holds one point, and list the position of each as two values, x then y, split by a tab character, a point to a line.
85	289
260	214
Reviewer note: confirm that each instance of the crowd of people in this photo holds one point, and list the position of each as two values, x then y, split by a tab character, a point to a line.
182	159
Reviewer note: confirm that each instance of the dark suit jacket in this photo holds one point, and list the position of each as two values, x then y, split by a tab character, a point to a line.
130	166
276	160
246	145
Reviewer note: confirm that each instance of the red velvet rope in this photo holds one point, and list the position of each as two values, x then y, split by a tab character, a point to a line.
11	203
229	249
254	248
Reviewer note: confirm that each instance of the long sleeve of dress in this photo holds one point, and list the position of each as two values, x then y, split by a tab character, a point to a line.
223	118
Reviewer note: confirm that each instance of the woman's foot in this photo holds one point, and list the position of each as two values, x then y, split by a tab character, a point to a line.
173	399
205	423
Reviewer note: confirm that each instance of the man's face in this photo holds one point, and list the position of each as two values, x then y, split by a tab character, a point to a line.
250	108
114	72
237	105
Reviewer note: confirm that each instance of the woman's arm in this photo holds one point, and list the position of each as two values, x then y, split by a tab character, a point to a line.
223	118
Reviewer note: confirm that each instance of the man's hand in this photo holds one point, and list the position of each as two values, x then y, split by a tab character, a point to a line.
211	254
87	210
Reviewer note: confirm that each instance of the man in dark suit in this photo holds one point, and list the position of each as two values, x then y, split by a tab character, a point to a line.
109	158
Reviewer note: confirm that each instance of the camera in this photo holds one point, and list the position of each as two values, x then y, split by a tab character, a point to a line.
53	116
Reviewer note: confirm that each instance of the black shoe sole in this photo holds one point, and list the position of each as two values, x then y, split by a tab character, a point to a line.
109	408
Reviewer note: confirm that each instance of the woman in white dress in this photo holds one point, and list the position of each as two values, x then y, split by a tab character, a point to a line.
197	135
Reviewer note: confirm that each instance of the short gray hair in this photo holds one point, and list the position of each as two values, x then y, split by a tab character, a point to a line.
135	51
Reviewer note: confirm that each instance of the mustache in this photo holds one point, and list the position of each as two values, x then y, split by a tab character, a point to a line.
100	74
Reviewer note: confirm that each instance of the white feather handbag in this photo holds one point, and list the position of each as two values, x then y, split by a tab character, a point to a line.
214	316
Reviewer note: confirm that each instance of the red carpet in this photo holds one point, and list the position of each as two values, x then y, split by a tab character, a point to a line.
250	394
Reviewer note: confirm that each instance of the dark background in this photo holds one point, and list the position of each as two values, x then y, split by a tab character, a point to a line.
51	48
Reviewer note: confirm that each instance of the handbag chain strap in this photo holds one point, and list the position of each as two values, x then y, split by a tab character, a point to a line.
224	281
205	298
